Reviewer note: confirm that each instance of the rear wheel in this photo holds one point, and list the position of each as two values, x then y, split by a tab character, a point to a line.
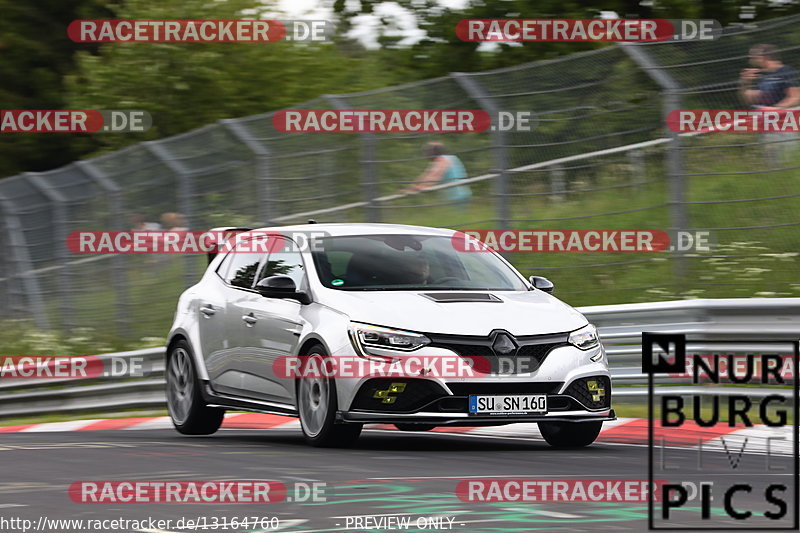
188	412
570	434
317	404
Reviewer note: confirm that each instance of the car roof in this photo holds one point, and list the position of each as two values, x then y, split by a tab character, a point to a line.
342	229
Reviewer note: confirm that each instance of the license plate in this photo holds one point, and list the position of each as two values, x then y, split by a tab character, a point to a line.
513	404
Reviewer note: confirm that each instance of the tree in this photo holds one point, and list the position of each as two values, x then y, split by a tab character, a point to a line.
35	55
441	51
188	85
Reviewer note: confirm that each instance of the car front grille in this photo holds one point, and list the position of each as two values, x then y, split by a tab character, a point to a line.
528	357
466	350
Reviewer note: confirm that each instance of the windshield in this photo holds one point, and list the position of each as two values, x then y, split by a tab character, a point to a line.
408	262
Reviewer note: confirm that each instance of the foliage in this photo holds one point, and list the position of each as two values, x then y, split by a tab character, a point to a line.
185	86
188	85
23	338
35	56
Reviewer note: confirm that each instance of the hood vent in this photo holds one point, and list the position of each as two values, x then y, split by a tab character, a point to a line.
452	297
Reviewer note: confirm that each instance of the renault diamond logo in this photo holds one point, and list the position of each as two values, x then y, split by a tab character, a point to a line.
503	344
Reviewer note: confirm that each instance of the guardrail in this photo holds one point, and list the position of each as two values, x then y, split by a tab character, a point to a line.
620	329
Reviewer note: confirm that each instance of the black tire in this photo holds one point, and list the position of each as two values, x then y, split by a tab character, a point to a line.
317	404
570	434
414	427
189	413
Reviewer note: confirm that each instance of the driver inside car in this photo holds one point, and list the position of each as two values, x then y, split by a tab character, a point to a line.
417	270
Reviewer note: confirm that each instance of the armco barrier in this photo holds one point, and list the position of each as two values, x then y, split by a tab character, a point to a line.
620	327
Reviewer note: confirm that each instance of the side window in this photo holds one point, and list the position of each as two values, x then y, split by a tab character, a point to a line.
284	261
242	267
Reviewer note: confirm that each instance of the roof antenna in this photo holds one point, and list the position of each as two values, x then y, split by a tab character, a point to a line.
312	221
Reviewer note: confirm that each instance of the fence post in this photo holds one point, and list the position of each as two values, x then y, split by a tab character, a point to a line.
263	167
64	289
676	183
558	186
369	173
10	296
679	218
500	184
119	264
23	266
637	164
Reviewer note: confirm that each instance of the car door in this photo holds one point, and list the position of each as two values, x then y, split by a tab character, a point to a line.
236	284
271	327
210	305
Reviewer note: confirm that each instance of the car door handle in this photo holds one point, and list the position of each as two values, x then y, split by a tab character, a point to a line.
207	310
249	319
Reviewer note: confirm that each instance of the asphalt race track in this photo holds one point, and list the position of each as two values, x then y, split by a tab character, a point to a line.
387	474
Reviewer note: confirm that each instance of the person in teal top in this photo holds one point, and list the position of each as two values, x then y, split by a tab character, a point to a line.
443	168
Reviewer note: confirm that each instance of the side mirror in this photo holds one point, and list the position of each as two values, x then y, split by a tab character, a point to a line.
543	284
281	287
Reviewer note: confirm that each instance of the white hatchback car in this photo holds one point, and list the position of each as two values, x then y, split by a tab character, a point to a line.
382	294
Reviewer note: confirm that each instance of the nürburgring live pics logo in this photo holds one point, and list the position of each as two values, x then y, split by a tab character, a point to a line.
747	486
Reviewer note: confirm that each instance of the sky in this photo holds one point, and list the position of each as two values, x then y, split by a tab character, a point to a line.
365	26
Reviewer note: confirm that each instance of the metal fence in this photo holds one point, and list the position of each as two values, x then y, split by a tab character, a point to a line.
620	327
599	158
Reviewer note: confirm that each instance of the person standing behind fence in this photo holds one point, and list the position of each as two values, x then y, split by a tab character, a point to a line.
174	222
770	86
140	223
443	168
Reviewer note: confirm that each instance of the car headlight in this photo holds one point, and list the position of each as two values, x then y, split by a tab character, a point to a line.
584	338
366	336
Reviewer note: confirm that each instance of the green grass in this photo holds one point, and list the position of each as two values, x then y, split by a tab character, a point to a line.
639	409
769	264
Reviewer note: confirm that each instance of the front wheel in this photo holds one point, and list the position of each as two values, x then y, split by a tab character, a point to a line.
570	434
317	404
188	412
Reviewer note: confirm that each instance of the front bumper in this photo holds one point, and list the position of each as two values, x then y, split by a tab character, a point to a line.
559	370
430	402
463	419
